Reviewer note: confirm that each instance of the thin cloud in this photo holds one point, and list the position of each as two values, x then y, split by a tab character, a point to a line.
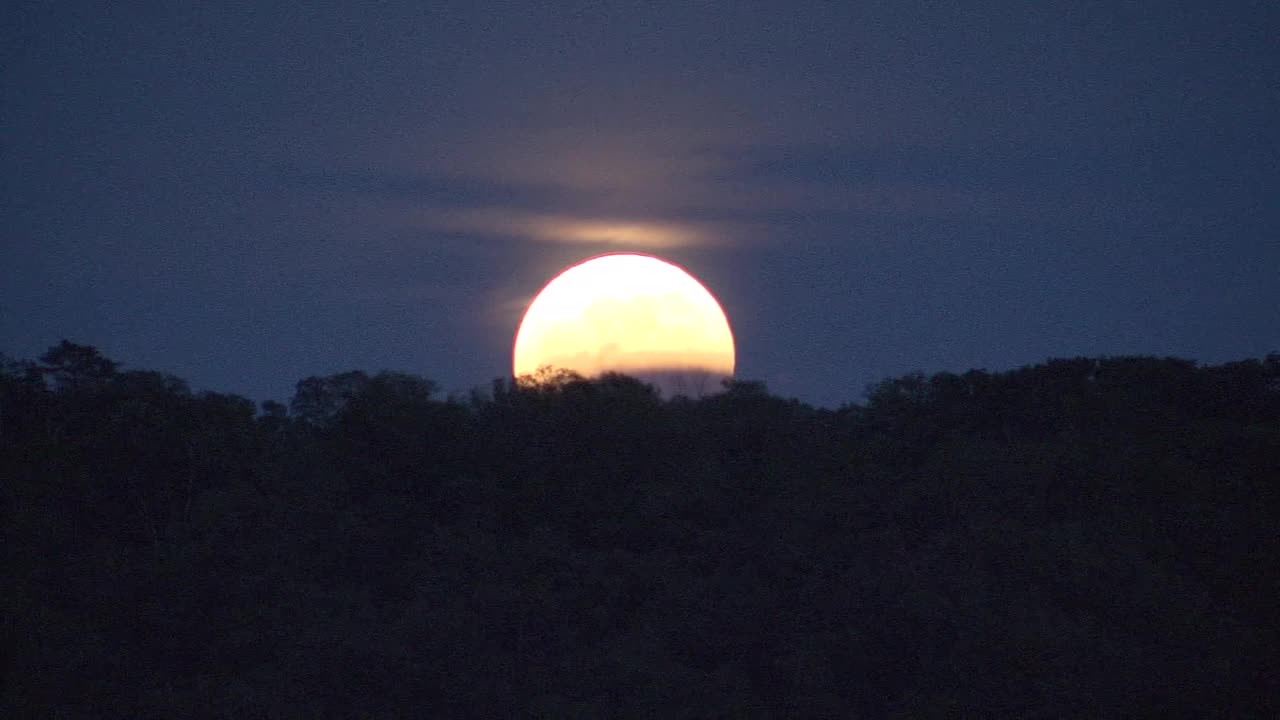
569	229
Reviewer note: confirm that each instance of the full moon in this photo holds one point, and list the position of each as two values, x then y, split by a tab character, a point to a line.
632	314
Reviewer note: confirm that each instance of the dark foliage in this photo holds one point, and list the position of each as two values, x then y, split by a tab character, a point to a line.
1086	537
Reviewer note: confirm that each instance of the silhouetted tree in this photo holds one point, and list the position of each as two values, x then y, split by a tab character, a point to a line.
318	400
70	366
1042	541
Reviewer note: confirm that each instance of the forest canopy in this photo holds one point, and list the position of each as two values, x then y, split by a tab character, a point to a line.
1085	536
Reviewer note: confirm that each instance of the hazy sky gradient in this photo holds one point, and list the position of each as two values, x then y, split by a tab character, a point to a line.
251	193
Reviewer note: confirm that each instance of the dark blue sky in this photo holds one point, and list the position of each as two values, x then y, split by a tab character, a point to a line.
255	192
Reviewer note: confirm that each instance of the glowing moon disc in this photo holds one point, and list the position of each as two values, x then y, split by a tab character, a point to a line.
628	313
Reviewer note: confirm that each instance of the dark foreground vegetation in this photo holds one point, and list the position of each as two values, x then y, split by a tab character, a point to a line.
1086	537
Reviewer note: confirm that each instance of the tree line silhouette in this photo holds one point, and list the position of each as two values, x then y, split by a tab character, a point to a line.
1082	537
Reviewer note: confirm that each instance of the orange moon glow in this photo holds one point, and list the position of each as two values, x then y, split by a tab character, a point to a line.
628	313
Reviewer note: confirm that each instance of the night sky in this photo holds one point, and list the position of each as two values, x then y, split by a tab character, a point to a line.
250	193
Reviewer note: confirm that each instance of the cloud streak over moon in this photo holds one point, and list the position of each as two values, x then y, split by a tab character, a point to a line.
623	232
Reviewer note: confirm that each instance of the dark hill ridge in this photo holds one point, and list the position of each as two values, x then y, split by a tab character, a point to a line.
1082	537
